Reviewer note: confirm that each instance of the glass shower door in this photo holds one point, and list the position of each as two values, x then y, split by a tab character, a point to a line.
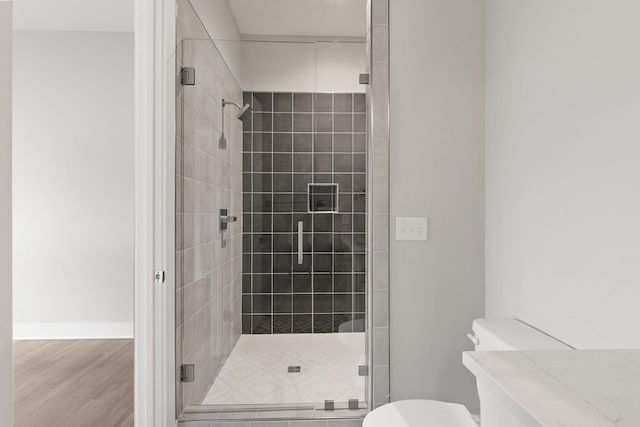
209	256
271	307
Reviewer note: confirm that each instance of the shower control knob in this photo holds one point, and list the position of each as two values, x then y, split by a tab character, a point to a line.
225	219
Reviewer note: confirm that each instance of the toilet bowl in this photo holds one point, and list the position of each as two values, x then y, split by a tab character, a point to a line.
411	413
488	335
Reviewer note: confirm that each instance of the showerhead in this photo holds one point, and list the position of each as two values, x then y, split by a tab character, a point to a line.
244	111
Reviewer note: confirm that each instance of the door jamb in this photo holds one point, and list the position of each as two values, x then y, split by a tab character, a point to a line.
154	395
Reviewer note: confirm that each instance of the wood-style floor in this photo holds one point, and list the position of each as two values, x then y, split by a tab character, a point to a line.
73	383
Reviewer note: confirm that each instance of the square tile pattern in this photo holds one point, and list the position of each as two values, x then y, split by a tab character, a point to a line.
378	251
292	140
256	372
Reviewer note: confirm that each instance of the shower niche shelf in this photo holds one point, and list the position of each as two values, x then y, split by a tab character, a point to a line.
323	198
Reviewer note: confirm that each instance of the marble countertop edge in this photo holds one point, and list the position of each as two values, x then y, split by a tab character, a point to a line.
564	388
470	362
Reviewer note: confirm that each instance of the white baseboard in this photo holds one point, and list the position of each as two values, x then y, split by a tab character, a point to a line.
72	331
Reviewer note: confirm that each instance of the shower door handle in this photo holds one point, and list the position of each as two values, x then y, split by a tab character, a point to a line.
300	236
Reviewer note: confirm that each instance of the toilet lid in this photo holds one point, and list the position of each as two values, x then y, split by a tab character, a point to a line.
419	413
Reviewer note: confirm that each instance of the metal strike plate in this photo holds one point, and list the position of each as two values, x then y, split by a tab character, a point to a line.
158	277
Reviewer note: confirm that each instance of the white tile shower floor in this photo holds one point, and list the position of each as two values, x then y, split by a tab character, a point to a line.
256	372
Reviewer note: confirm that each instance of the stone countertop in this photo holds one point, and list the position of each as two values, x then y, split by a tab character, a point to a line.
581	388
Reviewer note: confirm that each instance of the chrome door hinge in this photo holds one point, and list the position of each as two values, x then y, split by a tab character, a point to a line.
188	76
159	277
363	370
187	373
363	79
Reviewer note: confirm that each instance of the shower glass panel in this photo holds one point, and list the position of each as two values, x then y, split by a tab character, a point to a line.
209	183
271	226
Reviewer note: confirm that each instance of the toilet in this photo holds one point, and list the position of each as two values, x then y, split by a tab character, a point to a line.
488	335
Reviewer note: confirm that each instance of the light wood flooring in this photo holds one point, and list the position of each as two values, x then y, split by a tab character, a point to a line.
73	383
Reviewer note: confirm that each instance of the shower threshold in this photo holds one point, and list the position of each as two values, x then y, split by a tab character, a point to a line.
266	413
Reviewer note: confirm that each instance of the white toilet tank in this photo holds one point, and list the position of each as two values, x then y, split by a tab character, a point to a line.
488	335
506	335
512	335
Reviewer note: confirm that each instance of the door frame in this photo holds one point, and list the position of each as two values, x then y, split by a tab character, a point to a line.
154	370
6	300
155	332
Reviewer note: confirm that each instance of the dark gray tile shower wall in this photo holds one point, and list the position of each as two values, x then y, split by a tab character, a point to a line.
290	141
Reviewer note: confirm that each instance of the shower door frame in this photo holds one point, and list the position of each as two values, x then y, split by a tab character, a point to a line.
155	379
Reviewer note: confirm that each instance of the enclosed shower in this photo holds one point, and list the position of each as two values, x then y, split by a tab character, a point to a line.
271	224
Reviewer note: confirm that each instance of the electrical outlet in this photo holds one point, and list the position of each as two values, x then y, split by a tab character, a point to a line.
408	228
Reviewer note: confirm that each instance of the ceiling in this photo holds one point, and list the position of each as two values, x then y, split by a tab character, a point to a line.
319	18
74	15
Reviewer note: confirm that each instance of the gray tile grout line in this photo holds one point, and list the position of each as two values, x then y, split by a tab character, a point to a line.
333	167
353	116
272	217
312	216
292	186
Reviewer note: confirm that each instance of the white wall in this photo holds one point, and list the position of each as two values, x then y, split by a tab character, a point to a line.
339	65
73	184
295	65
74	15
563	182
6	346
278	67
302	66
436	168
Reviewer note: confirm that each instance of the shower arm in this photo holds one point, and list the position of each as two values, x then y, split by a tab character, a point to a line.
224	104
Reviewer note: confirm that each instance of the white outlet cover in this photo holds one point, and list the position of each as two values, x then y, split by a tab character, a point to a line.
412	228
